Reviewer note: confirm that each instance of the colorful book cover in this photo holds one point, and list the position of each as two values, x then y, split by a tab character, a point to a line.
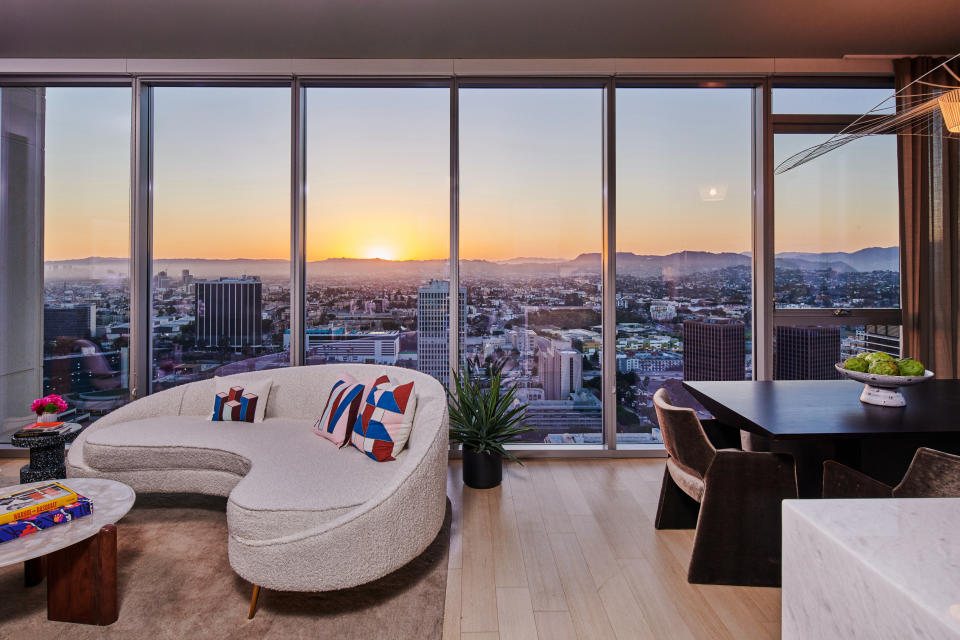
30	502
78	509
43	428
43	425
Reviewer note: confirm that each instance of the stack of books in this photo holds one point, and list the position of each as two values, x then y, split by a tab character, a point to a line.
44	428
30	510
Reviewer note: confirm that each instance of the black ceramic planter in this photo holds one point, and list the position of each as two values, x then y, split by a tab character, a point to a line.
481	470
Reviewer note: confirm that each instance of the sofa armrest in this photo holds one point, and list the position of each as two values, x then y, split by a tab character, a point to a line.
840	481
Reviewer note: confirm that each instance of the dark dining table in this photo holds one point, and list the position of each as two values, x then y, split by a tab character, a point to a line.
817	420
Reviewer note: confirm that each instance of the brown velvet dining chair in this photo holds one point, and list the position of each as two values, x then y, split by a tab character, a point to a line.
931	474
732	498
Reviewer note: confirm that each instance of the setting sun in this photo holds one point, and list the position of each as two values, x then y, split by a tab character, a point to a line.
383	253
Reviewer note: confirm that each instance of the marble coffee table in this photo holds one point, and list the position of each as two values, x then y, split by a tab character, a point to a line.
873	569
78	559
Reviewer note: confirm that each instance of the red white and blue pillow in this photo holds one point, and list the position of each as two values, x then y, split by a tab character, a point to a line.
240	401
383	426
342	408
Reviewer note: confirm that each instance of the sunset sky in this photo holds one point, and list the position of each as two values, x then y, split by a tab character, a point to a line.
377	173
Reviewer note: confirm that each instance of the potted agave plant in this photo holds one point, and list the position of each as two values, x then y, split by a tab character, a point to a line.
483	419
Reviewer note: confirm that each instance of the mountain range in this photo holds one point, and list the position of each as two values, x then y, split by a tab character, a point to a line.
675	264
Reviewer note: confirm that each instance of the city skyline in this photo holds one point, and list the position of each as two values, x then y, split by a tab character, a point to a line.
222	172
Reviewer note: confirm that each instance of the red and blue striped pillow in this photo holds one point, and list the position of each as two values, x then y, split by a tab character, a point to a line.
343	405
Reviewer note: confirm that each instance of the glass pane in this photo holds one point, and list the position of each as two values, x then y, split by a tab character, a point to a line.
830	101
86	314
684	193
810	352
837	225
530	241
378	212
64	251
221	231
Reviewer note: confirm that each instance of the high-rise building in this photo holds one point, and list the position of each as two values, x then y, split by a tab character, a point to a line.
75	321
433	328
580	413
186	278
807	353
561	372
714	349
872	337
162	281
229	309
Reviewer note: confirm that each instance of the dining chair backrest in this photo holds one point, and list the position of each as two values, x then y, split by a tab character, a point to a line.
683	435
932	474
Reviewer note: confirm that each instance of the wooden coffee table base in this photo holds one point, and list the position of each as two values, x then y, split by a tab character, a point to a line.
82	580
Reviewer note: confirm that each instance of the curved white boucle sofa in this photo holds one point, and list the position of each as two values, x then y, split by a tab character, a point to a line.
302	514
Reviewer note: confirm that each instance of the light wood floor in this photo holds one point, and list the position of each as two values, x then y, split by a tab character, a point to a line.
566	549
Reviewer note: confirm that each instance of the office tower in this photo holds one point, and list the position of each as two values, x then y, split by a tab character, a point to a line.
714	349
229	309
186	278
561	372
579	413
77	321
433	328
872	337
662	312
371	347
807	353
162	281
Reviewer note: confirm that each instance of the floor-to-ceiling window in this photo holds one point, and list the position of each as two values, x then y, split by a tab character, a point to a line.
531	184
378	214
684	210
66	183
836	234
378	180
221	231
86	245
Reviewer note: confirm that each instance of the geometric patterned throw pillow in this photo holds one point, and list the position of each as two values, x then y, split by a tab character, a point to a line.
383	426
240	402
340	412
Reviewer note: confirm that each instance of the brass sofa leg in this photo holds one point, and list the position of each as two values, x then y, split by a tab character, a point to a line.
253	601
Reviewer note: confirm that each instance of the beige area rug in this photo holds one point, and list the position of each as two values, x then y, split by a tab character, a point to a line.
176	582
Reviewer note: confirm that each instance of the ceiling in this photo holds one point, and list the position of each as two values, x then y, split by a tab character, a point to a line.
475	28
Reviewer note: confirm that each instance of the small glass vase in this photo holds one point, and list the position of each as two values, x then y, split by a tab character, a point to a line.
47	417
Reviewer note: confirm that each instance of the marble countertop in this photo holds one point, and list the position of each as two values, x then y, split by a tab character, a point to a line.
911	546
111	501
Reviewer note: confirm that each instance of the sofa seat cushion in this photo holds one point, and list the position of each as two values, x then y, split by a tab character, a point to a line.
292	481
170	442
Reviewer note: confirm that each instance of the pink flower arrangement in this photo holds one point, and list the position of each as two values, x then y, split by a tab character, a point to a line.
48	404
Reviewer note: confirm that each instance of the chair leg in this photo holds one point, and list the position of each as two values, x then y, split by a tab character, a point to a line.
253	601
676	510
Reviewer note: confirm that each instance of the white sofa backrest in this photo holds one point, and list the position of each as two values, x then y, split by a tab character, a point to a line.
301	392
298	393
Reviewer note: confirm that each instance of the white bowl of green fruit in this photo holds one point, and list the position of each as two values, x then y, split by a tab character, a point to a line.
883	375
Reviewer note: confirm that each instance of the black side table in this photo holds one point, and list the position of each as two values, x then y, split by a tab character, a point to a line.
47	453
